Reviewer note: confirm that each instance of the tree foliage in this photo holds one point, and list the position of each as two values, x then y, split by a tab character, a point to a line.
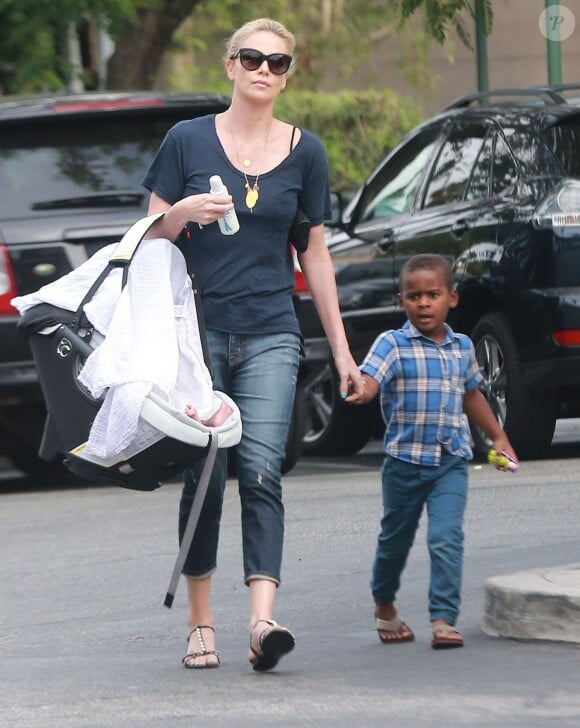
33	37
142	44
357	128
442	16
336	34
339	33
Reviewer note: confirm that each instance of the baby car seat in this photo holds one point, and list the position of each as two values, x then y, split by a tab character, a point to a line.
166	441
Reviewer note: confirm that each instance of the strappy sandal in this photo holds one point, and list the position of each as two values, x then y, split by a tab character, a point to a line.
397	629
189	658
446	636
272	643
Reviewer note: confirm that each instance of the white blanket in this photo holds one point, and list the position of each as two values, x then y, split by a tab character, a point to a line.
152	339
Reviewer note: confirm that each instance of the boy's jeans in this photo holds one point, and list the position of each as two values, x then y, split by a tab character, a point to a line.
406	488
259	374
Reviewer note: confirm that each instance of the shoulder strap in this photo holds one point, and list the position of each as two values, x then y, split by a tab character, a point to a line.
292	137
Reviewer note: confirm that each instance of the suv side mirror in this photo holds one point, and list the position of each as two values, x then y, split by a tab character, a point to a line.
338	203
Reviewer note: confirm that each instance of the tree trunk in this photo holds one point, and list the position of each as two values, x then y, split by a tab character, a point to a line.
140	47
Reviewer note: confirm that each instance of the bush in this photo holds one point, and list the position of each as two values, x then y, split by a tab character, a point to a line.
357	128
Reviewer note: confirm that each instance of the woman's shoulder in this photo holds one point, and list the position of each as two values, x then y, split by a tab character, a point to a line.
197	125
309	138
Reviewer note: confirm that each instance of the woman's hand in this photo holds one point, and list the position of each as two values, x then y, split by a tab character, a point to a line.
202	209
351	382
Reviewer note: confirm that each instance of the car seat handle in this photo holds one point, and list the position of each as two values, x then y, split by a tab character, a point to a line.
130	241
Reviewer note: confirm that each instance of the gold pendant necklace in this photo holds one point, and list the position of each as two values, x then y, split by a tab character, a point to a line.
252	191
252	195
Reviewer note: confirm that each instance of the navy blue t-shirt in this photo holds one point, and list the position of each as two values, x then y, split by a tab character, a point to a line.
246	280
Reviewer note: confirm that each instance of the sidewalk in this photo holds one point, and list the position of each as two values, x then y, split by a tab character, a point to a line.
537	604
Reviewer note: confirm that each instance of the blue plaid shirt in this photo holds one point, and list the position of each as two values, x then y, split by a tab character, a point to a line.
422	385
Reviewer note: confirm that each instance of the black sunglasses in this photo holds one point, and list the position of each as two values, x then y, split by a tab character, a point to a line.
251	60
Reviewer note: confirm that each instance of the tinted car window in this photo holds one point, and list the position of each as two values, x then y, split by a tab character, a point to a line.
564	141
453	168
392	191
481	176
42	164
504	169
532	153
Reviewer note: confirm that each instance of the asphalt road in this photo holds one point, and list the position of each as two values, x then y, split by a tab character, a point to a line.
86	641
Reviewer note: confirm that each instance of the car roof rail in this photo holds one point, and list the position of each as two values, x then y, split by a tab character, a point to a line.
547	94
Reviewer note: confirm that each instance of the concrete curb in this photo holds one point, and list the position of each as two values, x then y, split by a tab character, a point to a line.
540	604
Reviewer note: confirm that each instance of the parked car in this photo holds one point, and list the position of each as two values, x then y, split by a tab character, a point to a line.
70	171
493	184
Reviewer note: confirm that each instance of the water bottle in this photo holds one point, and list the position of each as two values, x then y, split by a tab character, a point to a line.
229	222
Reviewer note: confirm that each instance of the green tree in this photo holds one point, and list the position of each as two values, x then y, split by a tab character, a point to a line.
329	33
34	34
442	16
34	37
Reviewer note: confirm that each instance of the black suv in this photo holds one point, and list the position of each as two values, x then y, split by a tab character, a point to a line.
493	184
70	169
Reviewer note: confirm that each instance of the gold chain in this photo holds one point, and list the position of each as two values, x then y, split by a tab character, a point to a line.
252	192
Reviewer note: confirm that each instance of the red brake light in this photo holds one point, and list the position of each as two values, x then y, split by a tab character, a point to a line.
300	285
570	337
7	282
68	106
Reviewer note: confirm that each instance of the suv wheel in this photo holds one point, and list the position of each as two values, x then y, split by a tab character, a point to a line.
528	417
332	427
21	447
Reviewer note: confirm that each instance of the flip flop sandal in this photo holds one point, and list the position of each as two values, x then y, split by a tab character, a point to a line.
273	643
446	636
204	651
400	631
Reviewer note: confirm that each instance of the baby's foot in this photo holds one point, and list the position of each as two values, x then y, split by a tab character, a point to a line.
190	411
219	417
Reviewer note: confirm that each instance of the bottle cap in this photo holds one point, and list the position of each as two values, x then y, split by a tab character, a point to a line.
216	185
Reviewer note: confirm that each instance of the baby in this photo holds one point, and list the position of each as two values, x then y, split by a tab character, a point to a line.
218	418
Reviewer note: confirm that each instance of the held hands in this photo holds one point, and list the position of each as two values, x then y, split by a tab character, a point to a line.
351	385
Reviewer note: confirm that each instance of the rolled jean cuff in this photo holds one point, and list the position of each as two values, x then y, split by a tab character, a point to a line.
266	577
449	617
199	577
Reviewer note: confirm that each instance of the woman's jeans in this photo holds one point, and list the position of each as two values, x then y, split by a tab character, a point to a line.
406	488
259	373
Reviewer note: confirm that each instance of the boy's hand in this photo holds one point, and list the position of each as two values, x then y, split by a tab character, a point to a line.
502	445
369	390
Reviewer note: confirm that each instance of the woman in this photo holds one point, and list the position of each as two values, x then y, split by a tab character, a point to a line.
246	282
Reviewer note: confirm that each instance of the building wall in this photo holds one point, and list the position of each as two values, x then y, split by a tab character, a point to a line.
516	50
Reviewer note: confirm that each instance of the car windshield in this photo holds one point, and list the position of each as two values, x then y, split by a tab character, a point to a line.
63	161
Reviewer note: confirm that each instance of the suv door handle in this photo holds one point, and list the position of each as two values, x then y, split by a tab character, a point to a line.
458	228
386	241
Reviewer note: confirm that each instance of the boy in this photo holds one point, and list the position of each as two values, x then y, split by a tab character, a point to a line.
428	379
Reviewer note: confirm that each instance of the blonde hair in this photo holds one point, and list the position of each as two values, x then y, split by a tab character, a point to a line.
238	39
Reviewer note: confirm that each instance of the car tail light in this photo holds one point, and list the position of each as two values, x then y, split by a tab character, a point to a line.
7	282
561	208
570	337
61	107
300	285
